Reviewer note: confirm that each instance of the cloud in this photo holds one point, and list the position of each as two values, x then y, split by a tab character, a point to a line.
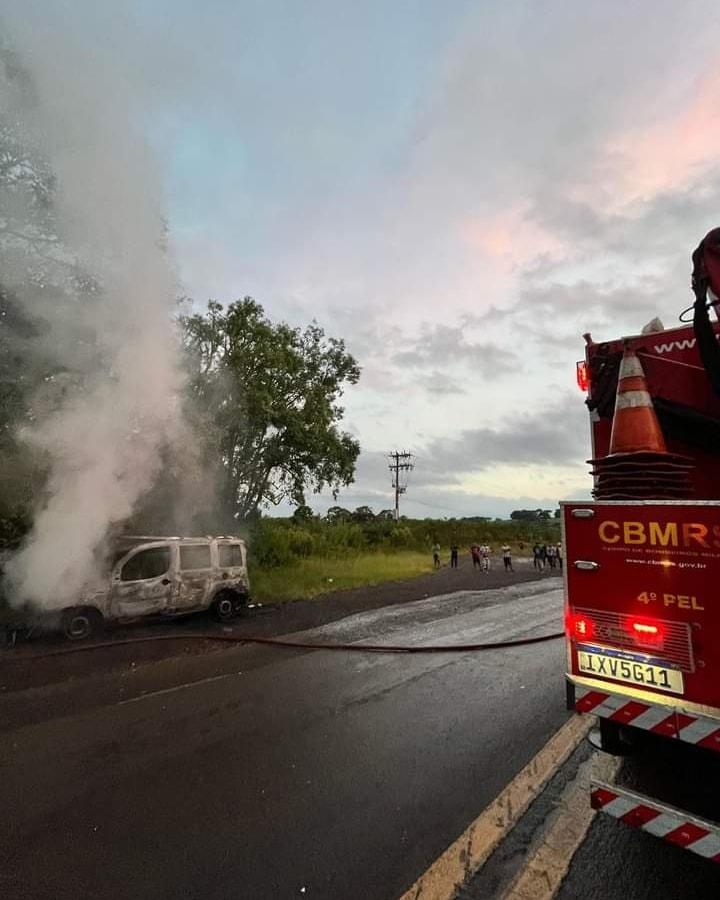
447	344
477	471
639	233
373	473
554	435
621	269
509	177
440	384
448	498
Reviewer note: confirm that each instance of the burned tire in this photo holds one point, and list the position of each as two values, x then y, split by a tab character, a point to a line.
225	606
80	623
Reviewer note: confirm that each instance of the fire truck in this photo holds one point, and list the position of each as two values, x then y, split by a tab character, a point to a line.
642	579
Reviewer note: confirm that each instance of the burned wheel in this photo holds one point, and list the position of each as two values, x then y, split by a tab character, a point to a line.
81	623
225	606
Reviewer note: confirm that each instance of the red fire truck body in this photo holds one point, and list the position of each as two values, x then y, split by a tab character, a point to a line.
687	407
641	585
643	614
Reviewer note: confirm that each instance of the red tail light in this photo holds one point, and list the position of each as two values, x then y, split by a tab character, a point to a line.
579	627
645	632
583	375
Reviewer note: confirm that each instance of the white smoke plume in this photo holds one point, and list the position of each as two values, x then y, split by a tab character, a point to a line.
103	442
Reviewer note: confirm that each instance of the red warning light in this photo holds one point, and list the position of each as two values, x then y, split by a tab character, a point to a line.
583	375
579	627
645	632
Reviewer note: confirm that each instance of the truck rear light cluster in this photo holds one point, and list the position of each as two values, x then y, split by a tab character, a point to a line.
645	632
582	375
579	627
666	639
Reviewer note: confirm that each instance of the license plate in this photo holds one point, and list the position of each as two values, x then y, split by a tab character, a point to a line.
640	673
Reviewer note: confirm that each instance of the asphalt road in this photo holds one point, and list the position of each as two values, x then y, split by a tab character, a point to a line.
279	774
326	775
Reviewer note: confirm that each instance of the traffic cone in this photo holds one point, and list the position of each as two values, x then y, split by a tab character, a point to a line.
635	427
638	466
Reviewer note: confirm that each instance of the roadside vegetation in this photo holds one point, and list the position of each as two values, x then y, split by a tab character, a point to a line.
316	575
307	555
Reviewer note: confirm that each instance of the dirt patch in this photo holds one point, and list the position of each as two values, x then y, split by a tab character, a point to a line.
26	666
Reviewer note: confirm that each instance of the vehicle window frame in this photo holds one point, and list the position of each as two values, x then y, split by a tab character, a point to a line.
199	546
137	552
230	544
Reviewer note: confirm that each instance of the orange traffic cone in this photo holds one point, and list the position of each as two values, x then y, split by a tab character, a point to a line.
638	466
635	427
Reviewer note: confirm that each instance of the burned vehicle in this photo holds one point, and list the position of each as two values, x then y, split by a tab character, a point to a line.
162	577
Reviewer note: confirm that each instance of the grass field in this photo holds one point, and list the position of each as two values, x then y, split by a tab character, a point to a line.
318	575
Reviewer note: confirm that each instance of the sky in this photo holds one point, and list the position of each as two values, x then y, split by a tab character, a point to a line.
459	190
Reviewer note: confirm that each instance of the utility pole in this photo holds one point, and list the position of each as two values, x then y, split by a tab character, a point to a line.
401	464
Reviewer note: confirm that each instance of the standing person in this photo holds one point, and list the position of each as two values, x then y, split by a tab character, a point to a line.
454	555
543	557
551	555
507	558
558	551
436	555
485	553
536	557
475	553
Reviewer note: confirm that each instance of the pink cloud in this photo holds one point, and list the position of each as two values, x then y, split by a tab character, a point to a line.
668	153
509	238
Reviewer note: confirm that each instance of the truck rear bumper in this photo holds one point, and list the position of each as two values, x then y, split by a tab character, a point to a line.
701	731
659	819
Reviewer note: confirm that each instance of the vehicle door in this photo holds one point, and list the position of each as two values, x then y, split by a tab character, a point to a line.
143	583
196	572
232	564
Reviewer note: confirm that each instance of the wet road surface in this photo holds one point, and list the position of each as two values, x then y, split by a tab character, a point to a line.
324	775
343	774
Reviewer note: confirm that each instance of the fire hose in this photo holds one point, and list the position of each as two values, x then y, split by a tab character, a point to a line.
295	645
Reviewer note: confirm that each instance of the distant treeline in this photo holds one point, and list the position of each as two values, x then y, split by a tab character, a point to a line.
277	541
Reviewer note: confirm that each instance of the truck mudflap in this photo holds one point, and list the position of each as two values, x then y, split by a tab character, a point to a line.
659	819
700	731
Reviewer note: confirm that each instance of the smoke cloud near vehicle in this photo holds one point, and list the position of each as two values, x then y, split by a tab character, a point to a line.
100	293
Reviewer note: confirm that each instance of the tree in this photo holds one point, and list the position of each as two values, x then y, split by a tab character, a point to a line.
303	514
266	396
530	515
34	266
32	251
363	514
337	514
523	515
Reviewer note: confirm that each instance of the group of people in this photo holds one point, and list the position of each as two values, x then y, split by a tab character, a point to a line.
549	555
480	554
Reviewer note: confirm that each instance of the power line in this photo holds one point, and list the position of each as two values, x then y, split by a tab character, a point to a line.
401	465
438	506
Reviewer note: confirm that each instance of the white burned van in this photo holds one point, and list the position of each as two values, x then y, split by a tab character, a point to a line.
163	577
